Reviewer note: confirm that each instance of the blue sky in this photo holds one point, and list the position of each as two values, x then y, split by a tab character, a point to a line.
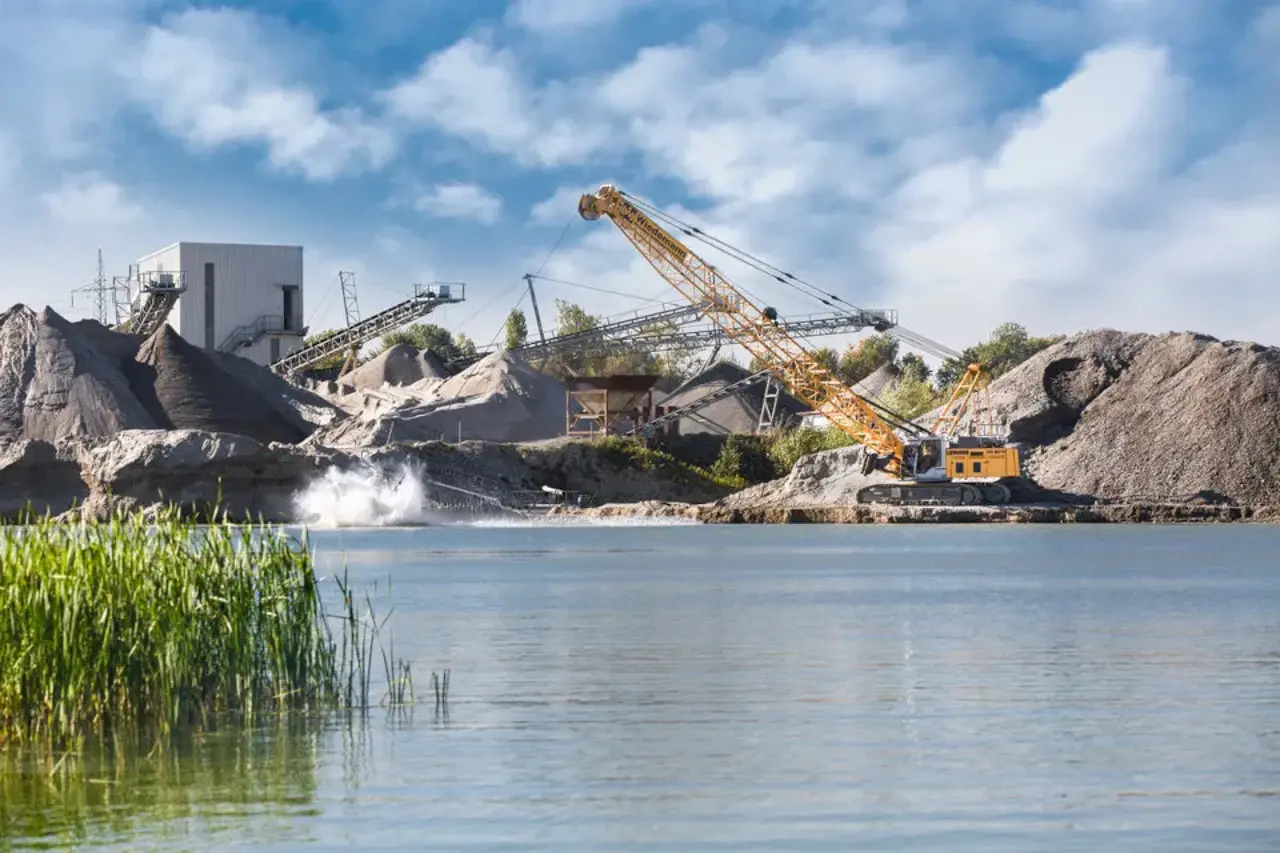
1066	165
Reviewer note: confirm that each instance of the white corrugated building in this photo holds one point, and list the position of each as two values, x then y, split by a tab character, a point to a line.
240	298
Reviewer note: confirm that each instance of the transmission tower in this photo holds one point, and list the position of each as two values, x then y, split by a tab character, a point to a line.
102	290
351	307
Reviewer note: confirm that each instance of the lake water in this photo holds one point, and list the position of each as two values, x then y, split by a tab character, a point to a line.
798	688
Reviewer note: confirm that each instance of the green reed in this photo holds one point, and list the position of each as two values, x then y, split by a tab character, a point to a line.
156	623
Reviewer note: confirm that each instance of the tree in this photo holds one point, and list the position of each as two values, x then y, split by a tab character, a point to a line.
637	358
1007	347
428	337
913	366
517	329
828	358
464	346
911	396
871	353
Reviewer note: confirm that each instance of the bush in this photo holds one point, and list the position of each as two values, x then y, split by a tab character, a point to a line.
790	446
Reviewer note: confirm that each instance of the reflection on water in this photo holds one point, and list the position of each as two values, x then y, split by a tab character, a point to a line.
106	794
747	688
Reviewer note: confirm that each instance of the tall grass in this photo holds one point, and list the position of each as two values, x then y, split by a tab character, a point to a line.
160	623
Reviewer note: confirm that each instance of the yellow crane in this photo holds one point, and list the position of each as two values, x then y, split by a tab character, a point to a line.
934	467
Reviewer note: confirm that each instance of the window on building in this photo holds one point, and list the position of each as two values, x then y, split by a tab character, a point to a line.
275	350
209	301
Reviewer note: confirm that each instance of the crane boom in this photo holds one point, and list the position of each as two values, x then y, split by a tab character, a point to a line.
756	330
936	468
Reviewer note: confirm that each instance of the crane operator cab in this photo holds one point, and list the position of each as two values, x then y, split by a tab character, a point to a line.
924	460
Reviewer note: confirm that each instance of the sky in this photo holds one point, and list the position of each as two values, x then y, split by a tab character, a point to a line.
1063	165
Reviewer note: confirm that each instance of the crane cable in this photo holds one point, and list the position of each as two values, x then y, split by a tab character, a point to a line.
800	285
782	276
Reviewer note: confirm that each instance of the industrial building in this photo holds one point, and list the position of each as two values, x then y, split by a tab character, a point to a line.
244	299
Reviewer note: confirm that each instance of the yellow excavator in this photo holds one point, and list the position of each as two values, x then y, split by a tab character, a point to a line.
927	466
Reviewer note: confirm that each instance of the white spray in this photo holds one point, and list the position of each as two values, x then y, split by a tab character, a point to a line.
364	497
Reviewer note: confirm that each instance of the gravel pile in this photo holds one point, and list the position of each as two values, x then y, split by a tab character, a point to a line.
1113	415
1138	416
399	365
499	398
182	387
826	478
63	380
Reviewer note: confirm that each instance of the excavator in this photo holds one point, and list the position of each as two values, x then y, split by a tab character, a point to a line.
925	466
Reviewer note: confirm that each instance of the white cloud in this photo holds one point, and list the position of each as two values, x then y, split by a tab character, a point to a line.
892	181
209	77
90	199
476	92
553	16
460	201
1104	130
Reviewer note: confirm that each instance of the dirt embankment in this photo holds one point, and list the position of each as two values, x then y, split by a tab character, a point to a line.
197	470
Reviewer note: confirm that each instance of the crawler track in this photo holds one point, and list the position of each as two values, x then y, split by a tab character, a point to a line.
937	494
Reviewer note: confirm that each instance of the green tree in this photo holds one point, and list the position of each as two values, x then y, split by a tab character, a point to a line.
913	366
427	336
464	346
871	353
635	358
911	396
517	329
1007	347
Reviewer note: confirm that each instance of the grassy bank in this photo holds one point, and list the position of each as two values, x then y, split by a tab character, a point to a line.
155	624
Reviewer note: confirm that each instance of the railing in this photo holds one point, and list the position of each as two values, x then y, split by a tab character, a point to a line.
243	336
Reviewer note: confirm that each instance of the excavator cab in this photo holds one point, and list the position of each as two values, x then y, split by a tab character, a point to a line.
923	460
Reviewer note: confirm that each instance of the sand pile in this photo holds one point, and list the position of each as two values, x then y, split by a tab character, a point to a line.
1149	416
499	398
183	388
1113	415
61	380
826	478
399	365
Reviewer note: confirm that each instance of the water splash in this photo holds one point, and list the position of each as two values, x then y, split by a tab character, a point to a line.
365	497
404	496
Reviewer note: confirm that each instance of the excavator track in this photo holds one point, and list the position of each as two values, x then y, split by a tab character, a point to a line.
936	494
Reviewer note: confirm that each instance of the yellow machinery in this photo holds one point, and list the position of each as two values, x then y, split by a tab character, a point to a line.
929	466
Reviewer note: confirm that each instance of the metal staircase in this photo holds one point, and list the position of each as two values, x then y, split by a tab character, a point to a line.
249	333
425	299
158	293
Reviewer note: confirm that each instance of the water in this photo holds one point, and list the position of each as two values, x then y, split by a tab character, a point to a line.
796	688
